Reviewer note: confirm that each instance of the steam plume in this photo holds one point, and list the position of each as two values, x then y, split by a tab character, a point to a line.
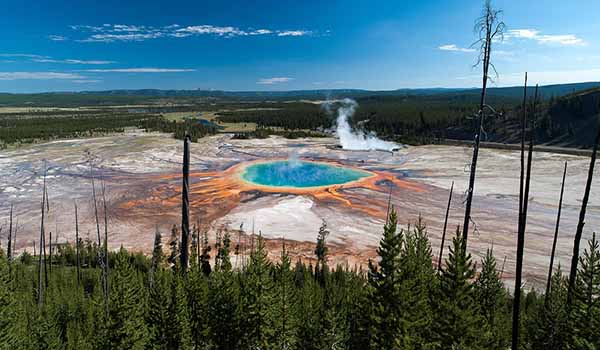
357	139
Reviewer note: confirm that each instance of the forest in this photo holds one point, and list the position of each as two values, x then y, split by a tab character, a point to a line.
236	297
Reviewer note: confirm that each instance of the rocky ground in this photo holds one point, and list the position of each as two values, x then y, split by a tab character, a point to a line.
141	175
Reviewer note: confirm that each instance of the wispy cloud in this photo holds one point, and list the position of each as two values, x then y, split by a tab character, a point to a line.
57	38
140	70
22	55
293	33
48	59
274	80
123	32
39	76
71	61
455	48
533	34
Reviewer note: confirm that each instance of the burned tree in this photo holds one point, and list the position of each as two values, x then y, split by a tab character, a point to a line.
445	226
185	206
489	28
562	191
581	223
522	222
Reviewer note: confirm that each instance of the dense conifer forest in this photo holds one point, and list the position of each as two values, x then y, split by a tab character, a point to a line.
230	299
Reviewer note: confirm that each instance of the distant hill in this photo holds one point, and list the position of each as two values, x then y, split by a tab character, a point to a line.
116	97
571	120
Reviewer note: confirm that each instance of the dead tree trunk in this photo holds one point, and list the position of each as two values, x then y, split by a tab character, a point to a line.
489	26
581	223
562	191
105	208
521	233
445	226
10	231
40	290
185	206
77	246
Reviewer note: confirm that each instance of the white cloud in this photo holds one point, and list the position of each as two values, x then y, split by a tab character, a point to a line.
57	38
23	55
140	70
39	76
453	47
293	33
71	61
123	32
533	34
274	80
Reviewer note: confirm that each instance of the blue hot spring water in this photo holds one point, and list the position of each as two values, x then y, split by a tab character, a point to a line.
300	174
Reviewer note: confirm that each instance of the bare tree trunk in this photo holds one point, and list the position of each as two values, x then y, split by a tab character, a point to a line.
581	223
40	265
100	250
489	26
445	226
77	246
105	208
502	269
185	206
10	230
521	236
562	191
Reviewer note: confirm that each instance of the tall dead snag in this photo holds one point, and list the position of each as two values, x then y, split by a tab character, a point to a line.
77	245
40	291
105	208
522	225
562	191
10	230
185	205
101	261
489	28
445	226
581	223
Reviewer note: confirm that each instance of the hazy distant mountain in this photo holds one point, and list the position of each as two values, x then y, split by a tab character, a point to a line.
118	97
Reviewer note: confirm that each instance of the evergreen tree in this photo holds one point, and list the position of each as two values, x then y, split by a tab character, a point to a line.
491	298
384	280
550	321
173	259
584	318
205	255
126	328
321	253
285	311
258	322
457	324
417	283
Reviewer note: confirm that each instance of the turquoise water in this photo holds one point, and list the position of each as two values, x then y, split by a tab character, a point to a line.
300	174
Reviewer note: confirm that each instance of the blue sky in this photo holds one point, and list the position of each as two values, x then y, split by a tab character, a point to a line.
287	45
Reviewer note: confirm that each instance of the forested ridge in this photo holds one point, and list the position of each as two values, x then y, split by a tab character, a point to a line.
231	300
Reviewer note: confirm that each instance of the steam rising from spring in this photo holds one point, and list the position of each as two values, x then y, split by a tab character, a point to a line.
357	139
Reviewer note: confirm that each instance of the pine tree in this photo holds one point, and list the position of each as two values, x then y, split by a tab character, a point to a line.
551	319
223	301
417	283
490	295
321	253
285	311
205	255
584	319
126	327
161	314
258	300
457	324
173	259
384	280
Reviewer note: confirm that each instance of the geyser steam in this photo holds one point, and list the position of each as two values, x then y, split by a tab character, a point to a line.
357	139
